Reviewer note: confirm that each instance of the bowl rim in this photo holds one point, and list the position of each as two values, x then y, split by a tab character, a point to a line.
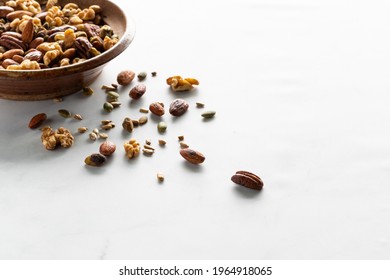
124	41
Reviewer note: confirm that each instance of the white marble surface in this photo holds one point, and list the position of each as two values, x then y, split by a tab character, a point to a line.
301	89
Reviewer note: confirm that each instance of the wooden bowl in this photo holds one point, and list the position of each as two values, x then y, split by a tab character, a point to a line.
60	81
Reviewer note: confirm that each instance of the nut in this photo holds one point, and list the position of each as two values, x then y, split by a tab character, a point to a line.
248	180
142	120
125	77
127	124
142	76
51	139
178	107
95	160
208	114
192	156
107	148
177	83
157	108
37	120
160	176
132	148
162	127
137	91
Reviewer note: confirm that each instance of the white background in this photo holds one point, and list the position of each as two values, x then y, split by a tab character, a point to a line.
301	93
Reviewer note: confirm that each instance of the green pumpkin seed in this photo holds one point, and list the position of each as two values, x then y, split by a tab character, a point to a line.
113	94
208	114
108	107
162	127
65	113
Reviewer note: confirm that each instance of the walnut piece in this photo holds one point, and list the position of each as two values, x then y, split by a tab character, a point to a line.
52	139
177	83
132	148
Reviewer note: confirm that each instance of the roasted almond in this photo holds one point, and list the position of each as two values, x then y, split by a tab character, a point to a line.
157	108
192	156
37	120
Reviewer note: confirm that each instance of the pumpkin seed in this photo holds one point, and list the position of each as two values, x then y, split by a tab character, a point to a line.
199	104
87	91
142	75
162	127
208	114
64	113
108	107
113	94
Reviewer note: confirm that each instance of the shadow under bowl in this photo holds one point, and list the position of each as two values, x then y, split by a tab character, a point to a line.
60	81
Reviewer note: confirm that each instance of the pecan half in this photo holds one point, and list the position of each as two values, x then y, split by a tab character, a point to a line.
248	180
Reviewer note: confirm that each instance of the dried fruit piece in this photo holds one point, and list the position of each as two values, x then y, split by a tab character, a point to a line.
157	108
178	107
107	148
177	83
125	77
95	159
248	180
192	156
37	120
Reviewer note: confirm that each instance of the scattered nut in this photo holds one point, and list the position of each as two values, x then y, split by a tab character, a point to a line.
135	123
142	76
181	137
112	94
144	110
132	148
111	87
51	139
87	91
148	152
162	127
147	146
178	107
157	108
162	142
95	159
142	120
183	145
93	136
154	74
148	141
177	83
137	91
248	180
103	135
192	156
107	148
127	124
37	120
160	177
200	105
78	117
108	107
65	113
82	129
125	77
208	114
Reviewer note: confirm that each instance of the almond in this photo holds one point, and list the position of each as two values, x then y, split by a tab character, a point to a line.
192	156
37	120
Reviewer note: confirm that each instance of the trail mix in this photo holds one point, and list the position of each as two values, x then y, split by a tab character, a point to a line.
51	139
35	36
